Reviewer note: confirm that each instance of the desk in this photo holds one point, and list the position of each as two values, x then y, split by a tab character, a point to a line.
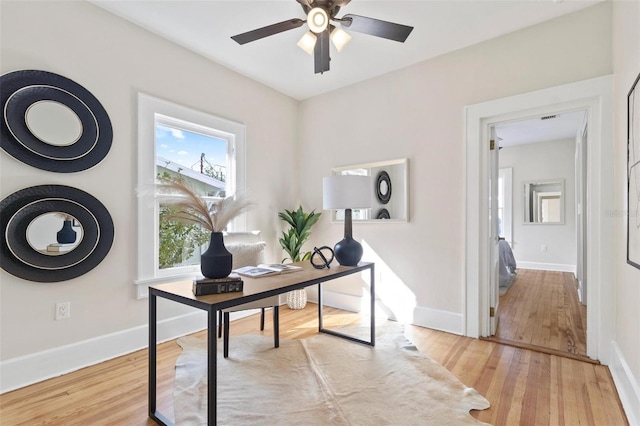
254	289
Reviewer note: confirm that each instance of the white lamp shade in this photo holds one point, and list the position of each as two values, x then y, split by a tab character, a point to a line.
347	192
340	38
308	42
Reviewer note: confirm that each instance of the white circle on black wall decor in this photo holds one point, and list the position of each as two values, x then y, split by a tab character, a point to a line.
35	102
383	187
20	209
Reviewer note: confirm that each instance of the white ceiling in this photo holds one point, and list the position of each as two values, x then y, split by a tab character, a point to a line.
555	127
440	26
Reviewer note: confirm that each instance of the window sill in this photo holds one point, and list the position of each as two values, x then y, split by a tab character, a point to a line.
142	286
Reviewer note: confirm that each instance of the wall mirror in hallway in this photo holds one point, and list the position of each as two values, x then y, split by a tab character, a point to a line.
544	202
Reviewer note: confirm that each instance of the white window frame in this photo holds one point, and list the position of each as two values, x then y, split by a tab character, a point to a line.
150	112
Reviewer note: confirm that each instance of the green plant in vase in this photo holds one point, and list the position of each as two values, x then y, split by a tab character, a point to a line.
292	240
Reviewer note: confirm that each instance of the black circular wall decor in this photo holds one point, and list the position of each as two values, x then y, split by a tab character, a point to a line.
383	214
22	90
383	187
19	209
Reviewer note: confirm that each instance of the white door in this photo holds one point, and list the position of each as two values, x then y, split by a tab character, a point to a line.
494	240
581	212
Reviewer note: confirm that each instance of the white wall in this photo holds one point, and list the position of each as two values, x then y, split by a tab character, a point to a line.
536	162
626	351
417	112
115	60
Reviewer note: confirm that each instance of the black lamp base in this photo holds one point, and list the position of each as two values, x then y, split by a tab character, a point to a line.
348	252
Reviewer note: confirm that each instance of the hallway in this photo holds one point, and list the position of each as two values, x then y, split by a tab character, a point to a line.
541	311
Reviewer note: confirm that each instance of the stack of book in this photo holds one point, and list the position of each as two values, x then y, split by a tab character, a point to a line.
204	286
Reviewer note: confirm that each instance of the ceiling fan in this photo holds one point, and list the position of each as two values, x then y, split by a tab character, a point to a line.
319	14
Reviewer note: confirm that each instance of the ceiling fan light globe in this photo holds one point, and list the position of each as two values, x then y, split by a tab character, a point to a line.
318	20
308	42
340	38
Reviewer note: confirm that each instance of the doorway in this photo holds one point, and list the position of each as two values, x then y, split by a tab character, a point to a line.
595	97
538	226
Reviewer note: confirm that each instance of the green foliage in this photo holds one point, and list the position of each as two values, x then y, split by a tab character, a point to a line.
300	229
178	240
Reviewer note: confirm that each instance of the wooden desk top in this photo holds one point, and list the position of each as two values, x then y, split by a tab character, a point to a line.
256	288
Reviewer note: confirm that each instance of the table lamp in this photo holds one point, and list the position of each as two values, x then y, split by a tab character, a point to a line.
347	192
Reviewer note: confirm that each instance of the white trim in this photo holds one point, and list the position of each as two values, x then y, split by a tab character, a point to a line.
148	108
451	322
546	266
627	386
594	95
18	372
335	299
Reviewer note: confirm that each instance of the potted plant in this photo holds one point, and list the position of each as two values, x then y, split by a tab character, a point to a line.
292	240
187	206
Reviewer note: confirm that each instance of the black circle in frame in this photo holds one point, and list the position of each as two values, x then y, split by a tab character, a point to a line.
19	209
383	214
21	89
383	179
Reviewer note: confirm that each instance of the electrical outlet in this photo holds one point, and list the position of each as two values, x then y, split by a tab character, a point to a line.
63	310
543	247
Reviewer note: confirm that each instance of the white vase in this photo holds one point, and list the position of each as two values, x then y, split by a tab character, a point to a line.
297	299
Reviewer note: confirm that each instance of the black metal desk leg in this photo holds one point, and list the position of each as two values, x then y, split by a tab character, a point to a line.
152	355
212	366
320	307
373	306
276	326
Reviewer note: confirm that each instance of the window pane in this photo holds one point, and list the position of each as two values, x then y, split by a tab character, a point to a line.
202	160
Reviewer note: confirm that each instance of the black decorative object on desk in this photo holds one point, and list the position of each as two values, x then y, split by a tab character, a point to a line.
217	261
190	207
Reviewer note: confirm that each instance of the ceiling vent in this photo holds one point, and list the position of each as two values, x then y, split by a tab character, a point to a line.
548	117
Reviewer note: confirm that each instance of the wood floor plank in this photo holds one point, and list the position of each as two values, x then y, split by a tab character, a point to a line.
541	309
524	387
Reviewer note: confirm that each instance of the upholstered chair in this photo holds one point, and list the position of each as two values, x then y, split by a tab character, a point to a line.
248	250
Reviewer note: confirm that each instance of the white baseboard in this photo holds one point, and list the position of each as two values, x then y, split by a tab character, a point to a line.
26	370
344	301
436	319
627	386
547	266
424	317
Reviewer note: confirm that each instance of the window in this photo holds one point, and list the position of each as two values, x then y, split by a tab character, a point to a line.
206	150
505	203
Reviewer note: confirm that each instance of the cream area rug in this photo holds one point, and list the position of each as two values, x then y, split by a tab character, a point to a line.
322	380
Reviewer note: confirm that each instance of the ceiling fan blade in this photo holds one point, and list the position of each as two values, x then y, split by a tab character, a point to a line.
376	27
268	31
321	53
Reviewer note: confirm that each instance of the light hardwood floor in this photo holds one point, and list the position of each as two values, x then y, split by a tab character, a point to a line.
541	311
524	387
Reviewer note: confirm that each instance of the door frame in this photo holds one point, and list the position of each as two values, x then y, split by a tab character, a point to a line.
594	96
